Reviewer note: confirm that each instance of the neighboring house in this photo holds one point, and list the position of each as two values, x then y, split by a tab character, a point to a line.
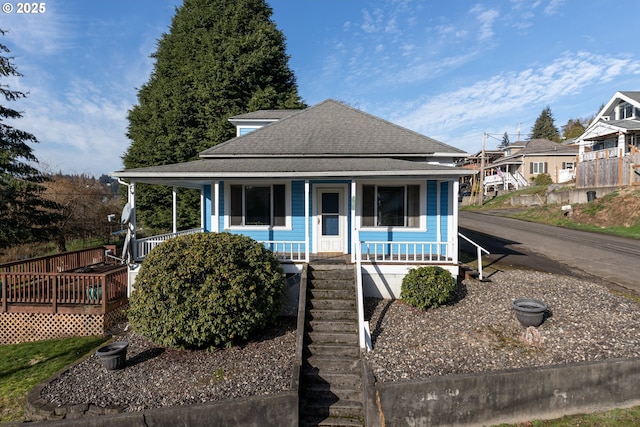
614	131
523	160
328	180
475	163
609	146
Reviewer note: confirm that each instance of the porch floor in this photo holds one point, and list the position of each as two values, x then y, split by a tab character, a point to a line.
330	258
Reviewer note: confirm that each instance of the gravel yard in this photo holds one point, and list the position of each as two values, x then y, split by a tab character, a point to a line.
477	333
156	377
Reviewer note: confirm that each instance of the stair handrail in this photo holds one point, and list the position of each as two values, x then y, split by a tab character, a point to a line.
521	179
364	335
479	250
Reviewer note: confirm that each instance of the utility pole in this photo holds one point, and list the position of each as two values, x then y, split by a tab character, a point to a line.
481	178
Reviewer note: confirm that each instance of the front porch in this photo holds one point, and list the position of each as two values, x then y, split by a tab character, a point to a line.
366	251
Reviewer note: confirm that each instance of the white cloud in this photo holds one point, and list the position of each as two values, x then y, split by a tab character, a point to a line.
553	6
486	18
512	93
38	34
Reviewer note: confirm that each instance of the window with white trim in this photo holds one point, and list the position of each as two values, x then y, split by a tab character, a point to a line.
626	111
257	205
538	167
391	206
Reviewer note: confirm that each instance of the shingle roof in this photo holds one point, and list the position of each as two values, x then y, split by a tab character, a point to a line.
265	115
331	129
629	124
540	147
632	94
327	140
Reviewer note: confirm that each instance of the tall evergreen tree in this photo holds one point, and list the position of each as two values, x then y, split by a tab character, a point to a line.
574	128
505	141
545	126
25	216
220	58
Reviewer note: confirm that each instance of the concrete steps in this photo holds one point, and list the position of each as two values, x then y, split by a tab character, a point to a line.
331	381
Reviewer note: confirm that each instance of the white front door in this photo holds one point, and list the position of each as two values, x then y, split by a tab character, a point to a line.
331	220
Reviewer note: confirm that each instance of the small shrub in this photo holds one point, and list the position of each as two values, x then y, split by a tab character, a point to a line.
206	289
542	179
427	287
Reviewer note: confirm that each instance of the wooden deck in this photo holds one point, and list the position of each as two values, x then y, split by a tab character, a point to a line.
82	282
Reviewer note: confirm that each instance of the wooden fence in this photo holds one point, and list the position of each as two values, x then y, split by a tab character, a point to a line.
609	172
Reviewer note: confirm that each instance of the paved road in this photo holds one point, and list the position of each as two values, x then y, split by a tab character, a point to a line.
614	260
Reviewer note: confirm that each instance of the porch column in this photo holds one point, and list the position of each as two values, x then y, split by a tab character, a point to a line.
307	242
454	222
621	144
214	206
355	234
202	209
132	226
175	209
438	211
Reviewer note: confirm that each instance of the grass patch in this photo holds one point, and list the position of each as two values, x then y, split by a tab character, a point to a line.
504	200
23	366
552	215
615	418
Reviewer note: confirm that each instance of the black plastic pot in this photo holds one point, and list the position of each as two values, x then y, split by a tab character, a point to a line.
530	312
113	356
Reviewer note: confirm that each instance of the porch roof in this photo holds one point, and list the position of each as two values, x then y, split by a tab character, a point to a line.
604	128
203	171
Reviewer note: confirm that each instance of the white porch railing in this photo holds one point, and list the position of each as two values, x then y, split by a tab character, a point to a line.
403	252
601	154
516	180
292	251
142	247
285	251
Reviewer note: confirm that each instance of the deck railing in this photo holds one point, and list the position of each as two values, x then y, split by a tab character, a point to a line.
52	292
58	262
606	153
142	247
403	252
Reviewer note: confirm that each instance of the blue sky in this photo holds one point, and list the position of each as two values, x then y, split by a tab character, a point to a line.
451	70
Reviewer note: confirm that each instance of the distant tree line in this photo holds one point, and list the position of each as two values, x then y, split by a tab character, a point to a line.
38	207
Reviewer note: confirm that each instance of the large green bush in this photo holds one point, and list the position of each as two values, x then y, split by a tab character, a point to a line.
427	287
206	289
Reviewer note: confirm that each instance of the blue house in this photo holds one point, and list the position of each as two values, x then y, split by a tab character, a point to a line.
326	181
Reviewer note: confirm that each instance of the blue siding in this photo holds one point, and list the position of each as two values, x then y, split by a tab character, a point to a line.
444	210
433	207
296	233
221	206
407	234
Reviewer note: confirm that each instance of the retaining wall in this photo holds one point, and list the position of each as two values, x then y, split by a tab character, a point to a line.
509	396
561	197
260	411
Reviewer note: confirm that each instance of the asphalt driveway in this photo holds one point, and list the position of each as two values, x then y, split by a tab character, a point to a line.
613	260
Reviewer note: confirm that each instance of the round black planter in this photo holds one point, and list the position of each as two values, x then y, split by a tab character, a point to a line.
113	356
530	312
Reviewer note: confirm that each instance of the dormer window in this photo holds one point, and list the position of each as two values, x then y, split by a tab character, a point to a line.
243	130
626	111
